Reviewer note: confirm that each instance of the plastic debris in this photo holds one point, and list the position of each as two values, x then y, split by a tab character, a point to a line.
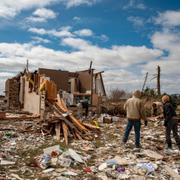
75	156
87	170
5	162
48	170
52	150
102	166
149	167
65	162
69	173
45	161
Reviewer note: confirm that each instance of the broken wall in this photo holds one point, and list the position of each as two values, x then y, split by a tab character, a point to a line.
61	78
99	85
31	100
85	78
12	93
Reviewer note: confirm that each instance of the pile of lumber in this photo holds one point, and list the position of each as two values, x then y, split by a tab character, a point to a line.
63	123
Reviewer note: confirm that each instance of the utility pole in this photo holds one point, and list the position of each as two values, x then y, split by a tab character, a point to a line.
158	80
27	66
145	80
90	67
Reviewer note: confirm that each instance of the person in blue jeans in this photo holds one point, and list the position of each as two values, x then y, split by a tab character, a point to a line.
134	112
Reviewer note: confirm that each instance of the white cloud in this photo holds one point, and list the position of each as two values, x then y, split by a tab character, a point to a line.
15	55
10	8
41	15
132	4
74	3
84	32
66	31
45	13
76	18
103	37
39	40
169	18
62	32
76	43
137	21
40	31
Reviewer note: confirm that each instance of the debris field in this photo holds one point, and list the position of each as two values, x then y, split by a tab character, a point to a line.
28	152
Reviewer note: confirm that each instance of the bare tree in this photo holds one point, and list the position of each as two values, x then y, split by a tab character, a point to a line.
117	94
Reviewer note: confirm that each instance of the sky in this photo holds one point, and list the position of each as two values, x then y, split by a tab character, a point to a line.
123	38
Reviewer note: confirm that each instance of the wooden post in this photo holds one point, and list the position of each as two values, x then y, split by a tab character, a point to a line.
42	105
58	131
158	80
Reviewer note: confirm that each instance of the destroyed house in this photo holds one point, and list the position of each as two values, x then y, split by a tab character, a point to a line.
24	91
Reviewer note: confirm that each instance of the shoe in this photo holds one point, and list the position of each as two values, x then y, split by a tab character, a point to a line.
169	147
168	150
138	146
123	145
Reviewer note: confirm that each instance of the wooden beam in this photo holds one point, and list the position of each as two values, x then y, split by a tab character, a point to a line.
65	132
58	131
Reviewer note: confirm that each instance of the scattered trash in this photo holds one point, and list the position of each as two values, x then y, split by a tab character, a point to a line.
75	156
65	162
16	176
48	170
69	173
87	170
5	162
120	169
103	157
52	150
102	166
149	167
153	154
45	161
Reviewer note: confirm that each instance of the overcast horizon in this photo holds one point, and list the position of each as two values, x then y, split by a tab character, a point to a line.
123	38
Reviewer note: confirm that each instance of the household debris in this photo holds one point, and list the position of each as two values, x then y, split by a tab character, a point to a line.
102	157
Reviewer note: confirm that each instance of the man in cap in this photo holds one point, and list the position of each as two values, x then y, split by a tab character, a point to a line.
134	111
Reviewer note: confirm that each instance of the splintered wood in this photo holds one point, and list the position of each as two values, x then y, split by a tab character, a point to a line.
63	123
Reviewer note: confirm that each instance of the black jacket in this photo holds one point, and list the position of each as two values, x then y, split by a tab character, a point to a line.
169	112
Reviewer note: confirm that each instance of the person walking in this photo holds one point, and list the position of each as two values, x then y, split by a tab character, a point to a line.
170	122
134	113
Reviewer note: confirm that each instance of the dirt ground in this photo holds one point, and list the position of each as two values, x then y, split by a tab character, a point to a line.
22	144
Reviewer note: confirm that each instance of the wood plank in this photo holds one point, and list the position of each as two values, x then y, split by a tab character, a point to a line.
78	136
58	131
90	126
78	124
65	132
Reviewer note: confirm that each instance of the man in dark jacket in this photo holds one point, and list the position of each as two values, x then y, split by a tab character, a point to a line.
170	122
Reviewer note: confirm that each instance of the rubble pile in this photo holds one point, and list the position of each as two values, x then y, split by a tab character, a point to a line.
27	153
61	120
113	108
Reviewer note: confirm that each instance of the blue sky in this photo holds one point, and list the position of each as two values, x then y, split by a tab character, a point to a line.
125	38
